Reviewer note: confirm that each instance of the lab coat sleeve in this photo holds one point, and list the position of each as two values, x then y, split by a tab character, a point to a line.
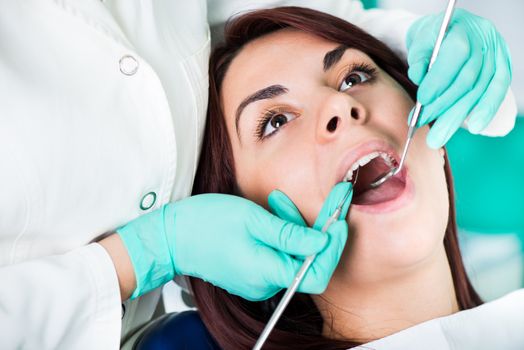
69	301
390	26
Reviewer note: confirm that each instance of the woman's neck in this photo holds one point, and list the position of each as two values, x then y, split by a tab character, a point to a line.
369	312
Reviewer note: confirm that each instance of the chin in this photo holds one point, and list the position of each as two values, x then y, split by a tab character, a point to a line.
388	249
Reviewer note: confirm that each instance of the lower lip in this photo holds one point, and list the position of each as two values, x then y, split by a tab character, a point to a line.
389	206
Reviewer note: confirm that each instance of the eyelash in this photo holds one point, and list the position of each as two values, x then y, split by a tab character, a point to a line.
362	67
266	117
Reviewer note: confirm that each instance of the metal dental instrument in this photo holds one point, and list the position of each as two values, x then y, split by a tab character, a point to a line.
298	277
418	107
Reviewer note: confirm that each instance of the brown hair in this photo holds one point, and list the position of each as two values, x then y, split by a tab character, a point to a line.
236	323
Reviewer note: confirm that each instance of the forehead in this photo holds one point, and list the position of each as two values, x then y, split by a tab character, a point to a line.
285	57
276	58
285	41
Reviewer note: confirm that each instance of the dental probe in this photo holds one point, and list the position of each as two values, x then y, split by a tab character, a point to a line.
298	277
418	107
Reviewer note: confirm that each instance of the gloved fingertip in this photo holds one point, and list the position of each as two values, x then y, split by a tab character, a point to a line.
339	231
435	140
321	239
476	125
335	196
424	119
339	193
429	113
283	207
417	72
345	206
343	187
414	76
275	193
421	121
314	241
425	95
277	198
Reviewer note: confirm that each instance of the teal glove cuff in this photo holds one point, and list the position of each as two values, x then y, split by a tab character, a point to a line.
149	249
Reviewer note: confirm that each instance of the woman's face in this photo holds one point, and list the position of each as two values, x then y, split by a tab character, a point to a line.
301	112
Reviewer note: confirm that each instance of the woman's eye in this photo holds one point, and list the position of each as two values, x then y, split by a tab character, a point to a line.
353	79
276	121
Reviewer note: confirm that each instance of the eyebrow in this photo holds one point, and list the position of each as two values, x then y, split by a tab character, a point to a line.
332	57
262	94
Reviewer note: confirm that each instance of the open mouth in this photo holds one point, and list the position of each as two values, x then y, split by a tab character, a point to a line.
368	169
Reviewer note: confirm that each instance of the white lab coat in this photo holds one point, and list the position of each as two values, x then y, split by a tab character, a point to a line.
102	109
495	325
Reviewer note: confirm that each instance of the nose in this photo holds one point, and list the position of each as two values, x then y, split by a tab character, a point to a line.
339	111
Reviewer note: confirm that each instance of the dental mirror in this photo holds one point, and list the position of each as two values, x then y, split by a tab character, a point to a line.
418	107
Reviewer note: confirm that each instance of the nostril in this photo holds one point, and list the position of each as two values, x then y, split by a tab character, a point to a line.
332	125
354	113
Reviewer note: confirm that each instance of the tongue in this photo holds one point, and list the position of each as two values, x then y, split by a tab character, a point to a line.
389	190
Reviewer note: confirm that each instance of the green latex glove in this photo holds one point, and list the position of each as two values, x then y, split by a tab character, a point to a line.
226	240
470	77
319	274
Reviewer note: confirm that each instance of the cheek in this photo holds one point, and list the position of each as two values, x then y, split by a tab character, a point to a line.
437	194
396	111
419	236
286	170
431	178
389	106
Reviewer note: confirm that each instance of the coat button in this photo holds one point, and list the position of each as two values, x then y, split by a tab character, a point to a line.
148	201
128	65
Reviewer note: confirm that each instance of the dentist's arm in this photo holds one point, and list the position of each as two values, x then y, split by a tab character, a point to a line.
69	301
123	266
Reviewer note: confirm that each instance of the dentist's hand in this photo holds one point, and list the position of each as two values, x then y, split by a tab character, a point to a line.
470	77
319	274
226	240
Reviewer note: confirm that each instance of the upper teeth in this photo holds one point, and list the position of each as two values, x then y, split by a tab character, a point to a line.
366	159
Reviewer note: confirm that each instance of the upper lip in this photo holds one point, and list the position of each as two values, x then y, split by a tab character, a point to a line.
360	151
